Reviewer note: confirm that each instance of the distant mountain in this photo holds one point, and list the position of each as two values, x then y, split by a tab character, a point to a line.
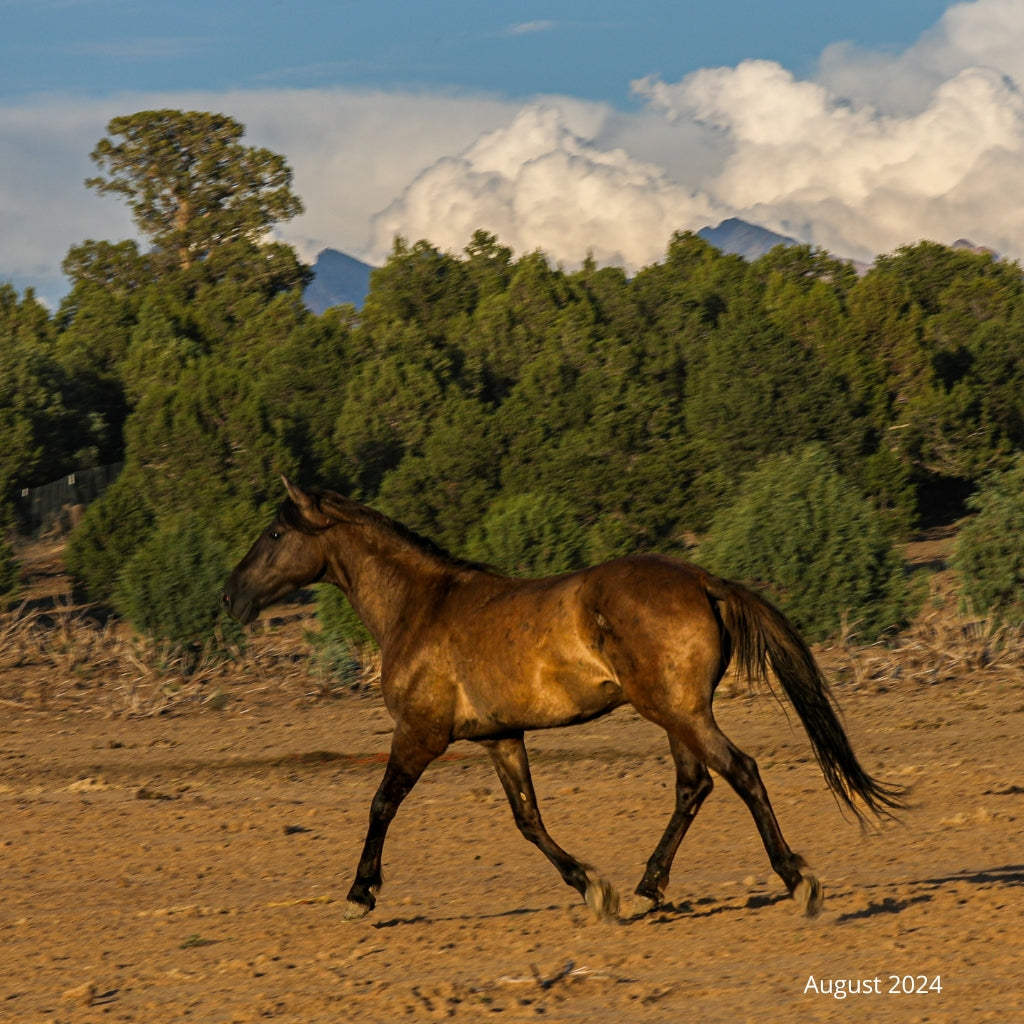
738	238
978	250
337	279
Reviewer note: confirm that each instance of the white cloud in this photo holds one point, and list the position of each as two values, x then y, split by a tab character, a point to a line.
876	151
353	152
44	207
929	145
981	34
527	28
538	184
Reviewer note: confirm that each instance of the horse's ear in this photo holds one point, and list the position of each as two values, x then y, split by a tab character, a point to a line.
300	497
305	504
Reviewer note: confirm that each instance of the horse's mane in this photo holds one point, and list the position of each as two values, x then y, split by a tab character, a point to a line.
340	509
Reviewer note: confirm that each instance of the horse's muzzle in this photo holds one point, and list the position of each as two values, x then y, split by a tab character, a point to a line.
245	611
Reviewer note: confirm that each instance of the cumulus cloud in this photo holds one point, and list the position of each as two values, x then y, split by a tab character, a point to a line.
981	34
853	180
44	158
537	184
874	151
926	144
352	152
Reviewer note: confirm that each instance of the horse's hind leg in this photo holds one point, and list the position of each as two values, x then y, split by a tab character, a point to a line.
513	768
693	784
740	771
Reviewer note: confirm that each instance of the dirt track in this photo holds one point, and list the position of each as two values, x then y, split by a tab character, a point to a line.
195	867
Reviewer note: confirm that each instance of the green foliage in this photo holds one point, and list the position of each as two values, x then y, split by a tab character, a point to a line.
804	533
340	627
46	429
529	535
340	637
939	335
764	382
10	582
112	529
989	553
171	586
419	286
181	351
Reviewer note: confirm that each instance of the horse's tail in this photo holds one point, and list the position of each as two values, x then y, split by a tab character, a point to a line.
761	637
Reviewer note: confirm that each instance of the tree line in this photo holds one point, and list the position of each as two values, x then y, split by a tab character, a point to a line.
519	413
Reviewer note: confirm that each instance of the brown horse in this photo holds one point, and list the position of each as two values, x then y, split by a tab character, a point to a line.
468	654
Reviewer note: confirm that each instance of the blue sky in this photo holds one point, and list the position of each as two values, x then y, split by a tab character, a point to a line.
586	48
573	127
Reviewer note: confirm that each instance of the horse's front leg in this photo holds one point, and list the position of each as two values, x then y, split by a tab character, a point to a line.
406	763
513	768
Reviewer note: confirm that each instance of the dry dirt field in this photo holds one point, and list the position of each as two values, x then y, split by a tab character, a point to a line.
193	864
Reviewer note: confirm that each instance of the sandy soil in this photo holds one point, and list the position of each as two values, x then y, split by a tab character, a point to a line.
194	866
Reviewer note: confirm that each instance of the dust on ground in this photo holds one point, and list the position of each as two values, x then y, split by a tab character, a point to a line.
194	865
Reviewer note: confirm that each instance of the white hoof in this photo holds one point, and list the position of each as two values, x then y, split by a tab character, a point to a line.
809	895
602	899
636	906
355	911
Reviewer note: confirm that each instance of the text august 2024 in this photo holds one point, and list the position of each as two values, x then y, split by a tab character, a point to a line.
884	985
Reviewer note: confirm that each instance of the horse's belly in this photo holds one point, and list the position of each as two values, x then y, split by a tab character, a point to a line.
543	704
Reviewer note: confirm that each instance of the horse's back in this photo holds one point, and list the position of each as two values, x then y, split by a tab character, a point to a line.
634	597
650	591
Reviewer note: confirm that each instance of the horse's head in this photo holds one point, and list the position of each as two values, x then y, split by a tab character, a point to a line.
289	554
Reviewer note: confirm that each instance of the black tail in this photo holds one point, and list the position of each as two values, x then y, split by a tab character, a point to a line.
761	637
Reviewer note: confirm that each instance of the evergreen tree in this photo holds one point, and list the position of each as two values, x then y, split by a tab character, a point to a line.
804	533
170	588
10	580
200	324
530	535
191	185
989	554
40	438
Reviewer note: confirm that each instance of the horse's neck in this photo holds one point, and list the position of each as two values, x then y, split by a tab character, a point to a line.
384	577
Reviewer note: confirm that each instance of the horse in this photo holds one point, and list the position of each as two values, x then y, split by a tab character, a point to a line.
470	654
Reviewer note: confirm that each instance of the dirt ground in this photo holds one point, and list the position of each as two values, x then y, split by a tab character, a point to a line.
194	866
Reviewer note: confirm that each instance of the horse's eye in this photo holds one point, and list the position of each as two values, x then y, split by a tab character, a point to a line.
275	534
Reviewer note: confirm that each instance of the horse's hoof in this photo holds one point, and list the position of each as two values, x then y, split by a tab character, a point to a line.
602	899
355	911
809	895
636	906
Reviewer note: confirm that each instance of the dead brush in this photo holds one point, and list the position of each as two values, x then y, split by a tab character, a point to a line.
159	677
16	638
67	656
339	667
44	654
943	645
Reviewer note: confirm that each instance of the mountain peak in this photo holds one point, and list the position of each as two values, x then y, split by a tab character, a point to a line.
337	279
740	238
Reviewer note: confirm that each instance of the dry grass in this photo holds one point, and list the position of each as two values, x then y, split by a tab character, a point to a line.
66	658
942	645
56	655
